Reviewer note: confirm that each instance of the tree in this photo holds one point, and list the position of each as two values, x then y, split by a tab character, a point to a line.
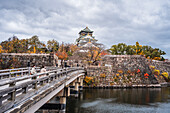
138	49
91	54
12	45
52	45
62	54
1	50
119	49
23	48
147	51
130	50
35	42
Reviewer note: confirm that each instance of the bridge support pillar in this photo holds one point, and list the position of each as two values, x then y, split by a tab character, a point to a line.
81	84
72	86
78	79
76	90
62	104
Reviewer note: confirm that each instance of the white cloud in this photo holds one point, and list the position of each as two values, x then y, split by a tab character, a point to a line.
115	21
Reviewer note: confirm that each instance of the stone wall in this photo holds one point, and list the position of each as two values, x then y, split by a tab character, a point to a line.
123	69
126	62
162	66
15	60
130	62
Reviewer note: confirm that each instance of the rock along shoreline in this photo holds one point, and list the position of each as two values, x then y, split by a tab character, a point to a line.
128	86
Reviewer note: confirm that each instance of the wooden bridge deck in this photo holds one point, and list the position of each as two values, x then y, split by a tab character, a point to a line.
31	94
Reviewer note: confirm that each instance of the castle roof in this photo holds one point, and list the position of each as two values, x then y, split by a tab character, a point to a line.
86	30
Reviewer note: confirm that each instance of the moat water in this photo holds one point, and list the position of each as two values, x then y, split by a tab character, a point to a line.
156	100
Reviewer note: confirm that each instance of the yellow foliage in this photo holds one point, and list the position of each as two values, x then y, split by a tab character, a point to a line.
88	79
117	74
34	50
156	58
1	50
165	74
141	53
152	67
157	72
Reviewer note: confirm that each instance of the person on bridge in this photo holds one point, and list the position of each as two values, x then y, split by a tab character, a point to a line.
43	70
33	70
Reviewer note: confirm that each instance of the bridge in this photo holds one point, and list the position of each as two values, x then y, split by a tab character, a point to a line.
21	92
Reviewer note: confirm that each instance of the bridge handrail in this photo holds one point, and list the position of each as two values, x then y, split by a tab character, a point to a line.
8	74
15	80
11	92
15	69
23	70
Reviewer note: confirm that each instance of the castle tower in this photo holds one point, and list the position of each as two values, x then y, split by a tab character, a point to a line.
85	36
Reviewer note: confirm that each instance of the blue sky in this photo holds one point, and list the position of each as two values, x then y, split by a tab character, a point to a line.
113	21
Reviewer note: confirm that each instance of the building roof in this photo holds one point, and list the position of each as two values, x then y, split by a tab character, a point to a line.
86	30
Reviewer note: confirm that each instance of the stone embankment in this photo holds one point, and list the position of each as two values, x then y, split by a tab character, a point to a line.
15	60
126	71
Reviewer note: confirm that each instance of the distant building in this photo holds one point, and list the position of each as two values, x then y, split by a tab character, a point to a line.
86	39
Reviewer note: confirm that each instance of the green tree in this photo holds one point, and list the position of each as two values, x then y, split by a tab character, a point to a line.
148	51
35	42
119	49
52	45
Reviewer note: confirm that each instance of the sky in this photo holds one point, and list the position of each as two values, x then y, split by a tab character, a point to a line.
113	21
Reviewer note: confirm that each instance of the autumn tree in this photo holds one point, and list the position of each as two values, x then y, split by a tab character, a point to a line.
1	50
52	45
34	43
147	51
62	54
91	53
11	45
71	48
119	49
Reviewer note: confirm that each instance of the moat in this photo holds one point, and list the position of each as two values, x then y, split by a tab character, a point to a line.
141	100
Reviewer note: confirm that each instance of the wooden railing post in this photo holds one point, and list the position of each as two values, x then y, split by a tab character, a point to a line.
22	72
9	74
35	84
25	90
12	84
55	74
61	72
13	95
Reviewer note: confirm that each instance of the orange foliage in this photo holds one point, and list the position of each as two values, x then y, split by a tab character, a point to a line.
146	75
73	48
103	53
62	55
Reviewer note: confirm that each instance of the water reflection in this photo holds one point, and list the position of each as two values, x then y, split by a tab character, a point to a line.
121	100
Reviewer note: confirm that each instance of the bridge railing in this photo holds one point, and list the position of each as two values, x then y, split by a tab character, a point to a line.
8	73
9	94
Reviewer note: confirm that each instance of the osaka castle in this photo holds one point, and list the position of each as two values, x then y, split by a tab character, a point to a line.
86	38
